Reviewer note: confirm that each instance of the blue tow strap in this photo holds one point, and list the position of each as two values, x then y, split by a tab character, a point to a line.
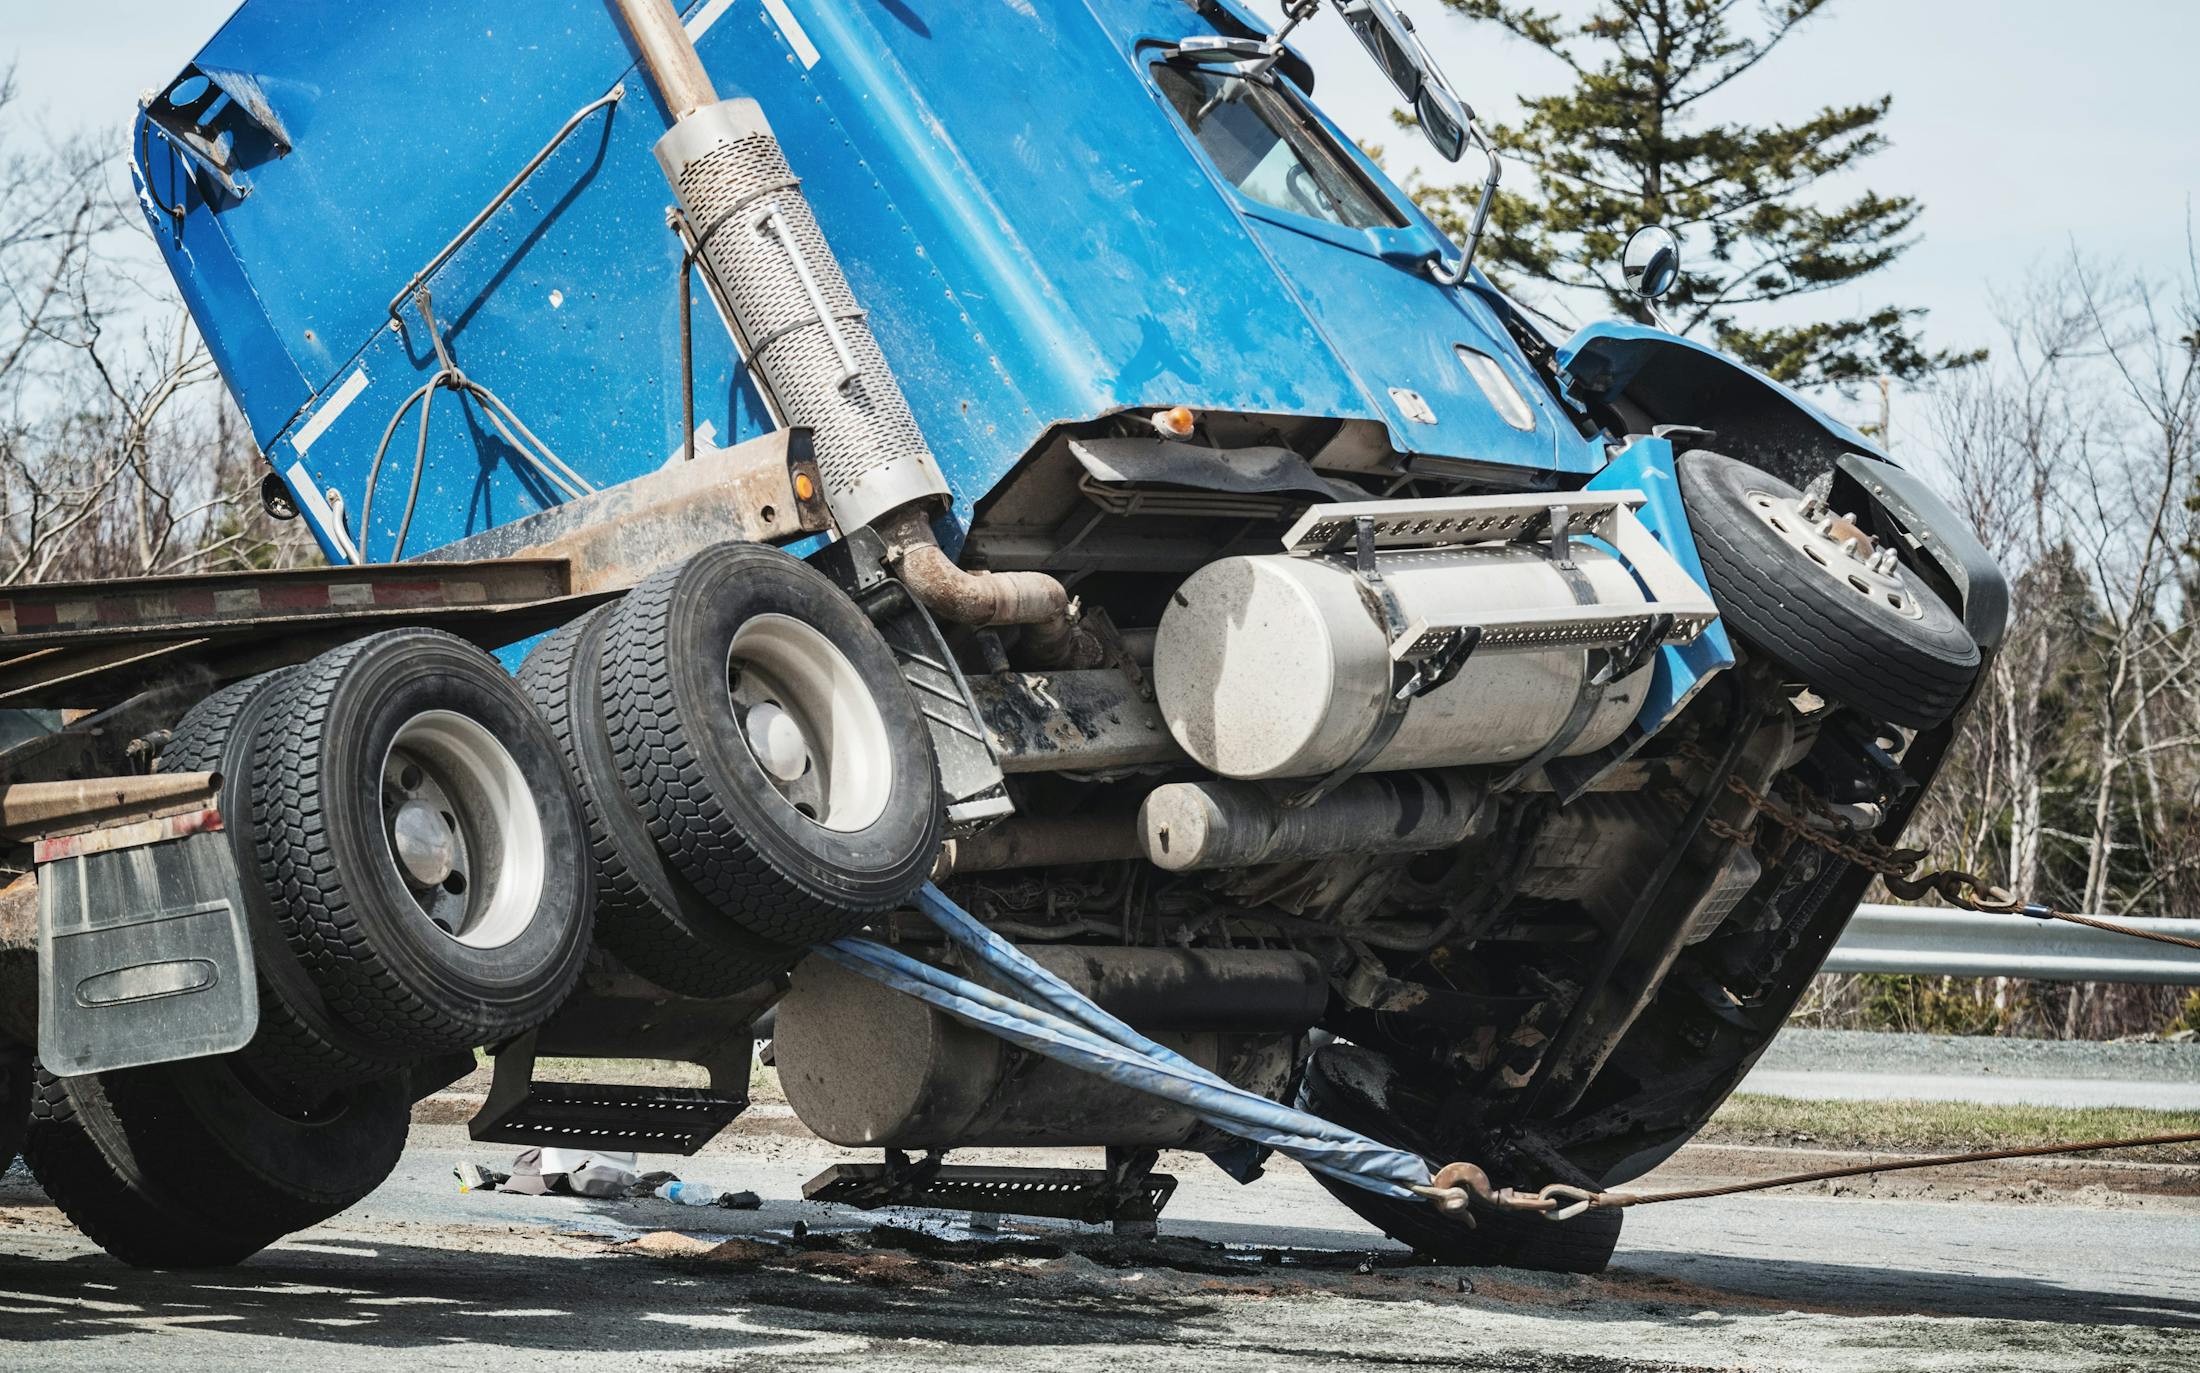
1066	1026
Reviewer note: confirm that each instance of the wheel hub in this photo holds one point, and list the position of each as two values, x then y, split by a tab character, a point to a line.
426	845
810	722
777	738
462	828
1838	547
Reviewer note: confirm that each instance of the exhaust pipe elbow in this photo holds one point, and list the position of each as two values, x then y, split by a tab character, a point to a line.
979	598
1035	600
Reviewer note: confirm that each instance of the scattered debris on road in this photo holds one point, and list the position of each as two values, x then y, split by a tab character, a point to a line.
539	1172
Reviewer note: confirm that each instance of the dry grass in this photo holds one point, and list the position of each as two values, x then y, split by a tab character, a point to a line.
1944	1126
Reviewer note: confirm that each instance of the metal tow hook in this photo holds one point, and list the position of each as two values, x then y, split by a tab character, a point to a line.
1457	1186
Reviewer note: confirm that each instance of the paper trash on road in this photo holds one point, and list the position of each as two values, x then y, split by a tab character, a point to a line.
538	1172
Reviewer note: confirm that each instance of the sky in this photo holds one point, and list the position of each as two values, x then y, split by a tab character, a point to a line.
2024	126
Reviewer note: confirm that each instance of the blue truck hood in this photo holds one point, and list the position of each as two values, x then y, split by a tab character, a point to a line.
1034	235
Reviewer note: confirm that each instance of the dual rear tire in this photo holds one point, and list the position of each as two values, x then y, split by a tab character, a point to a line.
727	764
763	730
369	957
755	774
419	842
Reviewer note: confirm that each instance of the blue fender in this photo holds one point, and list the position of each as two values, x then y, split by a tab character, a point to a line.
1646	465
1674	380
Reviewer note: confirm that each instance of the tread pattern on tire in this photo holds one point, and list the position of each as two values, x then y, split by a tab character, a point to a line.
633	924
289	1045
112	1210
1904	679
665	778
297	856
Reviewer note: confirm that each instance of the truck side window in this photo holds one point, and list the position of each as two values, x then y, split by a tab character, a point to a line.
1262	144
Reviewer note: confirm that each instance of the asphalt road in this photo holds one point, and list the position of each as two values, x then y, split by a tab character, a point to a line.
1851	1066
423	1277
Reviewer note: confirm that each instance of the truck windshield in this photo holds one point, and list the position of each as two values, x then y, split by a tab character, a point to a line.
1263	145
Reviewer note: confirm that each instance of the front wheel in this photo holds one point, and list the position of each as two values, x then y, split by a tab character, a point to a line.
1816	594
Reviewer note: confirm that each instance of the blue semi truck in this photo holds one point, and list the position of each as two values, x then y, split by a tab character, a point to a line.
771	456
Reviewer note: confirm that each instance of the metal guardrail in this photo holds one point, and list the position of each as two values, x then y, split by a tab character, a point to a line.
1939	942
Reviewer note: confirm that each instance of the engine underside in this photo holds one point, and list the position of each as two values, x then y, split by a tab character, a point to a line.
1559	954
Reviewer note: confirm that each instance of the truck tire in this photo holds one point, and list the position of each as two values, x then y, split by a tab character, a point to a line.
15	1107
743	654
191	1164
647	915
420	842
1332	1090
301	1042
1885	644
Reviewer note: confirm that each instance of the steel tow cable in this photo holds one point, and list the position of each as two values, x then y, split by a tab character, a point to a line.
1461	1184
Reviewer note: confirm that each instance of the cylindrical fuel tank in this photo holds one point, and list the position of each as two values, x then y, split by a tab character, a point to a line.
865	1066
1278	666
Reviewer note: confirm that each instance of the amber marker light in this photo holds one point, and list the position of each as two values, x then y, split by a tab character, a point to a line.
804	488
1175	422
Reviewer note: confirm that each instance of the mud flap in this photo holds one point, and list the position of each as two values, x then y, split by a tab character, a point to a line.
143	954
973	789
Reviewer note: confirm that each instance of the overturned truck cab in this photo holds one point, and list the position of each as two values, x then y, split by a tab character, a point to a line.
1024	449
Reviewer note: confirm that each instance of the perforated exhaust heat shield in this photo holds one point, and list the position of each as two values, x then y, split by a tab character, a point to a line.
799	322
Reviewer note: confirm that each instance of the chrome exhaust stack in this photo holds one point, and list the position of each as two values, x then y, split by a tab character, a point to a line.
808	345
801	330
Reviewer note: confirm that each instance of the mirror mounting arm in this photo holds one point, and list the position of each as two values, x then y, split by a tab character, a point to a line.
1453	274
1253	59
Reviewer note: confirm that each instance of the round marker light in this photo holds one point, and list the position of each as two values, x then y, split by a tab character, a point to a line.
804	488
1175	422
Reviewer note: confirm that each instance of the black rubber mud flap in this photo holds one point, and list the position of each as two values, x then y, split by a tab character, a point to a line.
143	955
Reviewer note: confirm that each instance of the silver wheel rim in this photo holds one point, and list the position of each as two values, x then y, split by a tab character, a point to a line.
810	723
462	829
1840	551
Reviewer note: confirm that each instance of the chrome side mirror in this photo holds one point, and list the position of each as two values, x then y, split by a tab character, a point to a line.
1442	119
1651	262
1390	39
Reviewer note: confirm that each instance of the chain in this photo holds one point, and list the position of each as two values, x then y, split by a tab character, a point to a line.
1898	868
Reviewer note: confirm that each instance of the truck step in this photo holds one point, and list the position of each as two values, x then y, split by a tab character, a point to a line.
616	1015
590	1115
1131	1199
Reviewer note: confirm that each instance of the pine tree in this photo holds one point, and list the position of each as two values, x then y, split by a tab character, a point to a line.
1630	143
